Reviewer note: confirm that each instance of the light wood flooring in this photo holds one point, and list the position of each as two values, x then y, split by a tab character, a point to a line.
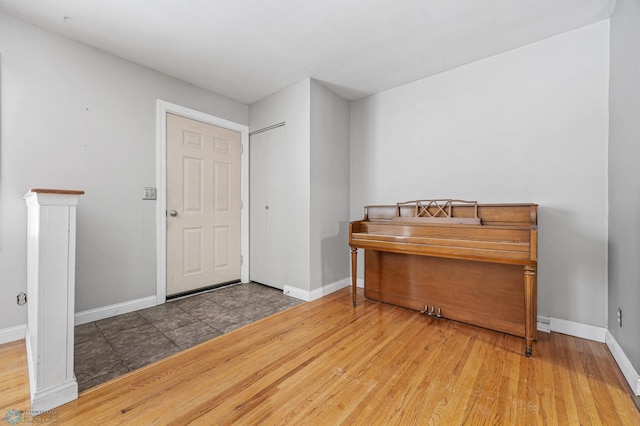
326	363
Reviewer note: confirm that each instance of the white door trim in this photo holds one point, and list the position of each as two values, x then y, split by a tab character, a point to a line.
162	108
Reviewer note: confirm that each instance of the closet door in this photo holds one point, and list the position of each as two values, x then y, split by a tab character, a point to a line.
267	214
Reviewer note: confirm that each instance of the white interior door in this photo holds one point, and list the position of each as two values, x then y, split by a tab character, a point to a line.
267	218
203	205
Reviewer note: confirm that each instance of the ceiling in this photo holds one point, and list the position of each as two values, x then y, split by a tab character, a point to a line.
249	49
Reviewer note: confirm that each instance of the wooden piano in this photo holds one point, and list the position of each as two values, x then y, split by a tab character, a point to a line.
469	262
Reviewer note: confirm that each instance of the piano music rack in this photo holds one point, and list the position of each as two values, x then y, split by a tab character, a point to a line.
436	211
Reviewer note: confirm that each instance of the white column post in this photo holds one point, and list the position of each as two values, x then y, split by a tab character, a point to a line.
51	257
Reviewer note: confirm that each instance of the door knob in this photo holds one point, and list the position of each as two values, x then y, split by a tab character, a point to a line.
173	213
266	207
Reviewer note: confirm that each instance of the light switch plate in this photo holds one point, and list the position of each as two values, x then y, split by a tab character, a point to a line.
149	193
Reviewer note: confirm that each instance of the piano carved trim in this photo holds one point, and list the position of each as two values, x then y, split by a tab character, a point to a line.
470	262
435	211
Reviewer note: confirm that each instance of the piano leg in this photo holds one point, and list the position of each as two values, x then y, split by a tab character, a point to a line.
354	270
530	296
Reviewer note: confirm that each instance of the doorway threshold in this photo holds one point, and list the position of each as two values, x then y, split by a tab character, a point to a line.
202	290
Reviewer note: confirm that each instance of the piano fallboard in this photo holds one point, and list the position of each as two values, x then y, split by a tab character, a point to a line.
476	242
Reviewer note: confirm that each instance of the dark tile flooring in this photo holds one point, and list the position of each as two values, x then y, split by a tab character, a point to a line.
111	347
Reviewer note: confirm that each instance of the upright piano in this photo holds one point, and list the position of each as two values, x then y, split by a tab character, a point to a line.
469	262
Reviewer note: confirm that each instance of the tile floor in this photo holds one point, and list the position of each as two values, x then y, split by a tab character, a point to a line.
111	347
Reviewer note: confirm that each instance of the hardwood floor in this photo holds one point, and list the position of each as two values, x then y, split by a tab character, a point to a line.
326	363
14	378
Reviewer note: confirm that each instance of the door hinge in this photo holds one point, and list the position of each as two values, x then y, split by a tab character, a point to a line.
241	148
241	204
241	259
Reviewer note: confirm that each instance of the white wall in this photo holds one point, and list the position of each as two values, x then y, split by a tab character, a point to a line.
624	178
329	187
292	106
528	125
74	117
317	174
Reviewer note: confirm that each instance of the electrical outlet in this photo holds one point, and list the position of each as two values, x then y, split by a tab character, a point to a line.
149	193
22	299
620	317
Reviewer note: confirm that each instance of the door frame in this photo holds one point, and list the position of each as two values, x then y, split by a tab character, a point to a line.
162	108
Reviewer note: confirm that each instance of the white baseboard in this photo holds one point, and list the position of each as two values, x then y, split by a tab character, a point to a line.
18	332
308	296
91	315
296	292
12	334
45	400
576	329
630	374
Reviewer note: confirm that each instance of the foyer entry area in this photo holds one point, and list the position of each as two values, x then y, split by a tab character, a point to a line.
114	346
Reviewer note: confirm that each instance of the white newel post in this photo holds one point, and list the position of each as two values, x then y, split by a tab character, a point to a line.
51	258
